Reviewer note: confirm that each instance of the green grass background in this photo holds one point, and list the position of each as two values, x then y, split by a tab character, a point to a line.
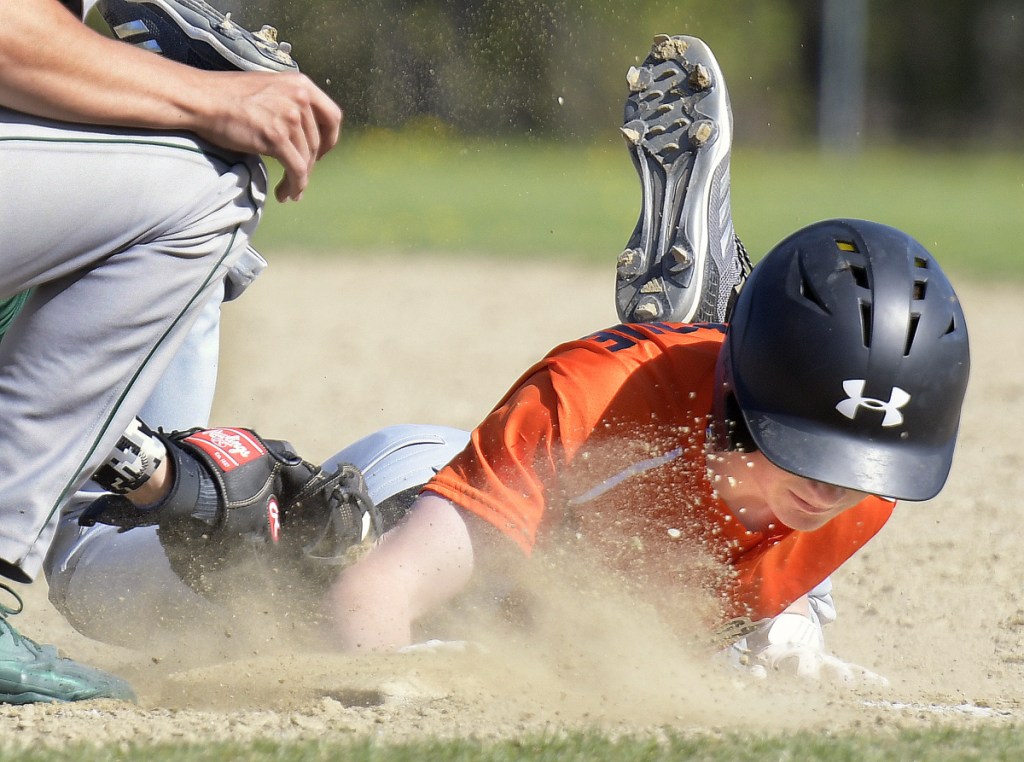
381	192
938	745
423	192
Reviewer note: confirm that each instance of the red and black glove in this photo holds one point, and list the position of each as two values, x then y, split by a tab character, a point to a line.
233	491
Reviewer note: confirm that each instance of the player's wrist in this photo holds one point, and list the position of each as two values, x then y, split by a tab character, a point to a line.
202	103
156	488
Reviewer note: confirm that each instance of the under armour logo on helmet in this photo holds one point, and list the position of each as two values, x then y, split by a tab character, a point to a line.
854	389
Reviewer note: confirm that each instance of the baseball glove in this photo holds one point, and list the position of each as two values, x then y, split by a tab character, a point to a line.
236	496
194	33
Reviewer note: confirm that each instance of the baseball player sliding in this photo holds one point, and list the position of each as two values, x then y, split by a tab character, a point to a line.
776	444
133	186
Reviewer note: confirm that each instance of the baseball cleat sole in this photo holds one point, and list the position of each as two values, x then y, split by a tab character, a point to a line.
194	33
680	263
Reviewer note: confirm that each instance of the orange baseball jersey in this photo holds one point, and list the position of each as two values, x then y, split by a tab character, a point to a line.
605	437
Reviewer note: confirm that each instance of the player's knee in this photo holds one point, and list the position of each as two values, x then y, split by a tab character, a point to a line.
216	206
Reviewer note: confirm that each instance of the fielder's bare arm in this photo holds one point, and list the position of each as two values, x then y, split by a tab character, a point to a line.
90	79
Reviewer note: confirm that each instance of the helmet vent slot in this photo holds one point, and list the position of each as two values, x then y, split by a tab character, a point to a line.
911	332
865	321
808	292
860	275
920	287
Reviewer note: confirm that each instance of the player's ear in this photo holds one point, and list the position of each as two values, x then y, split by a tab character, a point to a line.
728	431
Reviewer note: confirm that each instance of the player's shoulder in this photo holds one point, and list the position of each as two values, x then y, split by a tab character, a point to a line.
677	349
657	336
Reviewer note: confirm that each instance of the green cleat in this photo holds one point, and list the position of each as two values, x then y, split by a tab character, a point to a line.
31	673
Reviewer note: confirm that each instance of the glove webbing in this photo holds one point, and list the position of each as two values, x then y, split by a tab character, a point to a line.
354	520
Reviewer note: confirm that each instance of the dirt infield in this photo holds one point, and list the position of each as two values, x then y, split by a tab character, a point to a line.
322	352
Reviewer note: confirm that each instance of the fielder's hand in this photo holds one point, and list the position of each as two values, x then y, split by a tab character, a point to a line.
237	106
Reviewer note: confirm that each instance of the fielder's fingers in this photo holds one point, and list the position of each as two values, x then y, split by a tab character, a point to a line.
321	120
311	144
329	118
301	154
296	175
290	187
311	137
282	191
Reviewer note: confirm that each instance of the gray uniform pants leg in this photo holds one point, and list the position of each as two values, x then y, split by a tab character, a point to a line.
124	236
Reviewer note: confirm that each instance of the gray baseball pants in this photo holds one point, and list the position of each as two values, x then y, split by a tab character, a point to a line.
124	236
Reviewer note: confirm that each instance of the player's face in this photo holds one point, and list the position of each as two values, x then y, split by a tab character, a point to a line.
804	504
761	493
